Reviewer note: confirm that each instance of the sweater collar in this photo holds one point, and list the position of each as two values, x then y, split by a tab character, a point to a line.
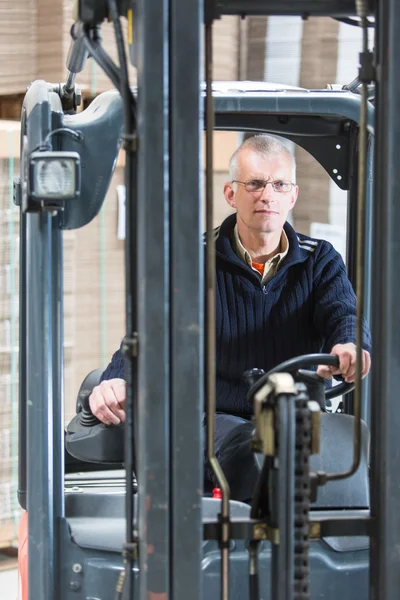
245	255
224	244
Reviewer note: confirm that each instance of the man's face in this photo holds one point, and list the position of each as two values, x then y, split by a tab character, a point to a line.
264	211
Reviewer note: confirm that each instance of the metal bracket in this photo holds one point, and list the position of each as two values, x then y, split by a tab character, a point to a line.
70	99
356	523
282	383
264	531
130	345
315	426
367	72
211	11
264	437
17	191
130	551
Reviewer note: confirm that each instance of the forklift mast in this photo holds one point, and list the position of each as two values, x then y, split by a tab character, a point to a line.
165	340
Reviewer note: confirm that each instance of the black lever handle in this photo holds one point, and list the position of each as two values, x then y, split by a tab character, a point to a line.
252	375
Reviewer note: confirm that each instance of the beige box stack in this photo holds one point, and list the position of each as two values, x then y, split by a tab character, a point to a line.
319	55
9	289
34	44
226	49
256	33
318	68
17	45
97	294
70	323
226	68
225	144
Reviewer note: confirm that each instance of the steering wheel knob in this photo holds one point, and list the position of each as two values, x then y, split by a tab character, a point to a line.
252	375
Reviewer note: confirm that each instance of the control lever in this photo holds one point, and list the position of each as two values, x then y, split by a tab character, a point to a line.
87	439
86	417
252	376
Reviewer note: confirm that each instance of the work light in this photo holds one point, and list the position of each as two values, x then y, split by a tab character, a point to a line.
54	175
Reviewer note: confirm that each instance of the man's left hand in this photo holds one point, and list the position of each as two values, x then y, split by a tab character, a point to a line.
347	356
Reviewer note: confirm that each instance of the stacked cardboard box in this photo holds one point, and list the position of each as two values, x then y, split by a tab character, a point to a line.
97	295
318	68
35	40
17	45
225	144
70	303
9	288
34	44
226	49
255	46
309	60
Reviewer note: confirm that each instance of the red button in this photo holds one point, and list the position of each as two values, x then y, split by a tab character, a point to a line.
217	493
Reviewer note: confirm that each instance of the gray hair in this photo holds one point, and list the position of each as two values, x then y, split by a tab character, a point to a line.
263	144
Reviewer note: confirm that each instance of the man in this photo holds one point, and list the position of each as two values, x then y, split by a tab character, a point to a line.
278	294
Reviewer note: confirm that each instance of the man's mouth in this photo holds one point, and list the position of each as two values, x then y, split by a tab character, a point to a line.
267	212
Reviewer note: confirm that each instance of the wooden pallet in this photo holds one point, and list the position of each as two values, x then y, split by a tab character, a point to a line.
8	559
10	106
8	537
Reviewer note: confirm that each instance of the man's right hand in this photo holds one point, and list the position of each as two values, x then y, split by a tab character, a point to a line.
107	401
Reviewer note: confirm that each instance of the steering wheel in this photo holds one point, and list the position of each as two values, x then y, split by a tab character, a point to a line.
296	367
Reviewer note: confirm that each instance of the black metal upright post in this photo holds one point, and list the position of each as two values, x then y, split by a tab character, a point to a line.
39	390
42	372
385	413
23	361
368	280
288	7
282	560
348	400
186	299
152	231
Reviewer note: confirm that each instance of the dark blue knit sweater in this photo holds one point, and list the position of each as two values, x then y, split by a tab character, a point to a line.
308	306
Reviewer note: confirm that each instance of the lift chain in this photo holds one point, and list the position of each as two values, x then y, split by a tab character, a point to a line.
302	497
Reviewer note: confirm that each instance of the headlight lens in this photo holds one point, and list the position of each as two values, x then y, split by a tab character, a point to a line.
55	175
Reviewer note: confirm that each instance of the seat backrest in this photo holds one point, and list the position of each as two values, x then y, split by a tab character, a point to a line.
336	456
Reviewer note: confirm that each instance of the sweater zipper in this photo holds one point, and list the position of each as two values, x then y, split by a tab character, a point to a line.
249	270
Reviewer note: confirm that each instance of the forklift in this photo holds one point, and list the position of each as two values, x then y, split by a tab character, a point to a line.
324	518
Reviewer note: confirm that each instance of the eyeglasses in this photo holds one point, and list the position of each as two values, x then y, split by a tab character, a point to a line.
259	185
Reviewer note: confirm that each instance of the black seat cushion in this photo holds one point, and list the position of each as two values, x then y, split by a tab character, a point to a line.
241	467
336	456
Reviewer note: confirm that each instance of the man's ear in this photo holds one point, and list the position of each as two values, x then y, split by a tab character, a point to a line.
295	193
229	194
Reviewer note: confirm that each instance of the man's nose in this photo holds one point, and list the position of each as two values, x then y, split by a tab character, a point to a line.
268	194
